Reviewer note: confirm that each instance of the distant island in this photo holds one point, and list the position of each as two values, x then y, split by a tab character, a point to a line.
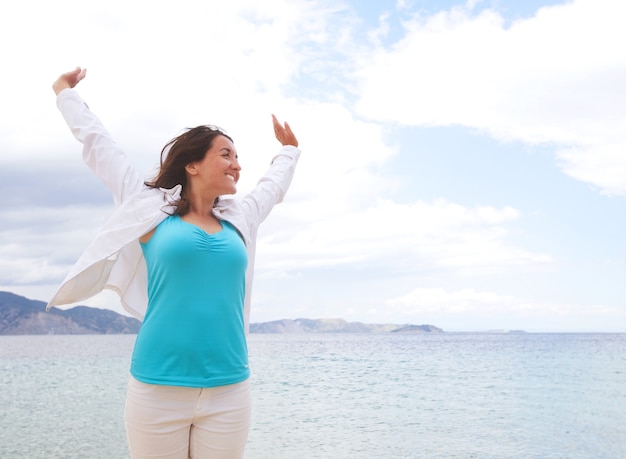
23	316
336	326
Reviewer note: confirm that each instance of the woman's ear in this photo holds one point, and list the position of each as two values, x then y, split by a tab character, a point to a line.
191	169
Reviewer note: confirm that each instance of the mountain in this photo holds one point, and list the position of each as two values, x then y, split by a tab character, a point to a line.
21	316
336	326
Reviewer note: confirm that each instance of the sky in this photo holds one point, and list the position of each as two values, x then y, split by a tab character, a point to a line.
463	163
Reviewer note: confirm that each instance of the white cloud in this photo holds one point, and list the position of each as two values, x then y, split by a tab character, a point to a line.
555	78
154	71
602	165
39	244
503	310
467	241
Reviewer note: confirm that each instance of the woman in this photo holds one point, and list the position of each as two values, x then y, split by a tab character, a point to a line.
181	259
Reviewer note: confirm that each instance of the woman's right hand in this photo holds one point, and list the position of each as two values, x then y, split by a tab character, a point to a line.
68	80
283	133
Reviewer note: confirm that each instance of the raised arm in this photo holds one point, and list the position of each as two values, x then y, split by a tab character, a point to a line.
273	186
100	152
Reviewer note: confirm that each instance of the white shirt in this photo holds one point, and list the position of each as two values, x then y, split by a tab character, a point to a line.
114	259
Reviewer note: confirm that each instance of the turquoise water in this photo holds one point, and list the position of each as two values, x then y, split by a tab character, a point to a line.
344	396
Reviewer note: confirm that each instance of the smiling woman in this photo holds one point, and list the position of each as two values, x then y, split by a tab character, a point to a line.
204	162
181	257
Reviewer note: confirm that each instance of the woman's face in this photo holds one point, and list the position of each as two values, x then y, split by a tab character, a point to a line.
218	172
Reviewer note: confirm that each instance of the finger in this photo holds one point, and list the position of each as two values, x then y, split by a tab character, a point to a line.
290	132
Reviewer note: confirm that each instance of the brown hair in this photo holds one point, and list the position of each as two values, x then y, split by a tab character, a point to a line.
189	147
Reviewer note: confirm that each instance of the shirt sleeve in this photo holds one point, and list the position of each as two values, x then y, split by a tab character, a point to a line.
100	152
273	186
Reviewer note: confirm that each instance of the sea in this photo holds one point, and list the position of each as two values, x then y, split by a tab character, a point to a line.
375	396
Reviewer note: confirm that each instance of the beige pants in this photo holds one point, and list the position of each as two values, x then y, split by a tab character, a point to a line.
171	422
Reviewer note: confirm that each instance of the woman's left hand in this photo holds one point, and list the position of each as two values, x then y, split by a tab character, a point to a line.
283	133
69	80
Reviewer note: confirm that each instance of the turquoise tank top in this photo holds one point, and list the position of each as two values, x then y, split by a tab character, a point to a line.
193	331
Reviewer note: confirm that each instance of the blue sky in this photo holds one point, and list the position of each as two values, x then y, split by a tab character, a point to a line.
463	162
